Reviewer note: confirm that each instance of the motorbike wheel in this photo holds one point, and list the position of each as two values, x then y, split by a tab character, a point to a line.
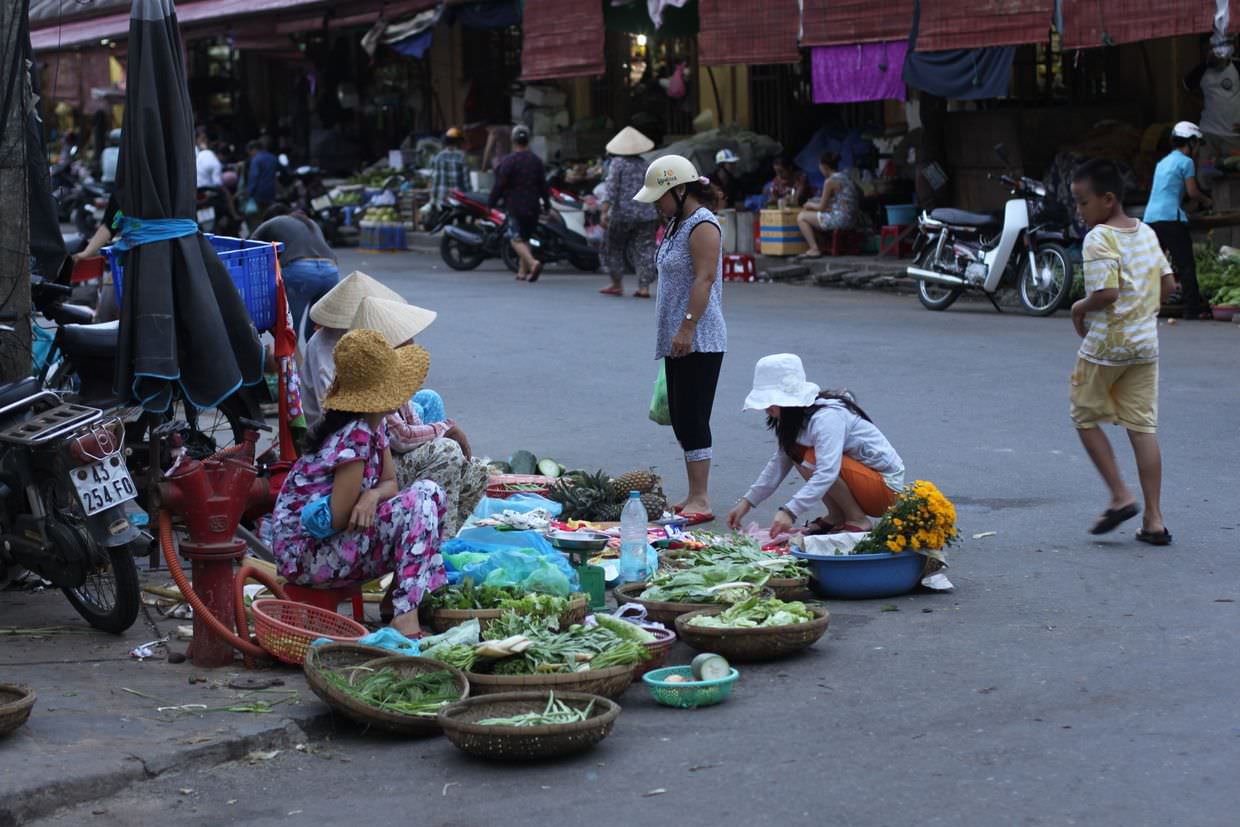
934	296
1044	299
588	263
458	256
510	258
110	597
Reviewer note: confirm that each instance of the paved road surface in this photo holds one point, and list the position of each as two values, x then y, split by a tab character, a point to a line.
1066	681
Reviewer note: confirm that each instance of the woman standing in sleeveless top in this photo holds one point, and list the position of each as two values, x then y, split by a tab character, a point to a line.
692	335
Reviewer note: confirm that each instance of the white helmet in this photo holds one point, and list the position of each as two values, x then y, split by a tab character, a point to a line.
1185	129
726	156
665	173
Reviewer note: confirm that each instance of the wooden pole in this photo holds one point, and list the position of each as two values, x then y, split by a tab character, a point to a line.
14	196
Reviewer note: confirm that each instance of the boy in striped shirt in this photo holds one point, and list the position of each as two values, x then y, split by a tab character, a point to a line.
1116	375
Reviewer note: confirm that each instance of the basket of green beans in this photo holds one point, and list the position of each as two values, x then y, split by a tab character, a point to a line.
400	694
525	725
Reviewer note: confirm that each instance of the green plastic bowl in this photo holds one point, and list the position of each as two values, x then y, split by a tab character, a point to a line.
687	695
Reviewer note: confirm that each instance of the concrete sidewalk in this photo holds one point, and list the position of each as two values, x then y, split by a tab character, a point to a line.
97	725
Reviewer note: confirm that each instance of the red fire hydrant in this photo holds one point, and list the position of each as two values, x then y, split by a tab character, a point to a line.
211	495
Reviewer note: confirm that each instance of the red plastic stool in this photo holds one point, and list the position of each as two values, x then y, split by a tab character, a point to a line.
329	598
739	267
893	240
844	242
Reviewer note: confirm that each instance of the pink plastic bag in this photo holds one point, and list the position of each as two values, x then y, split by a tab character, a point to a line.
676	87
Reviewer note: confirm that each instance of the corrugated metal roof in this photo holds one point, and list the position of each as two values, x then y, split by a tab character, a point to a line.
562	39
844	22
745	32
974	24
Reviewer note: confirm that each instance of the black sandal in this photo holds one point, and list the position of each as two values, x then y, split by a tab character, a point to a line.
1155	538
819	526
1112	517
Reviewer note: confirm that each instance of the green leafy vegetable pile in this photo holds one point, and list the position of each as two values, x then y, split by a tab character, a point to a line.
466	595
741	549
722	583
556	712
755	613
459	655
579	649
422	695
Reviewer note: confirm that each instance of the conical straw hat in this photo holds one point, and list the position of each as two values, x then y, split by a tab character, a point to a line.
373	377
629	141
397	321
338	307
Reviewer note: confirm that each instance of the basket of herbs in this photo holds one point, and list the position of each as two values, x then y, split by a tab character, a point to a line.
789	577
453	605
671	593
754	629
528	725
526	654
399	693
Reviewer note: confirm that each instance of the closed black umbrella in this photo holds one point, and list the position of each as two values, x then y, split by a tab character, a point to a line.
182	320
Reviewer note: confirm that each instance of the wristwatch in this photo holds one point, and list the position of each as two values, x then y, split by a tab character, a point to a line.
689	318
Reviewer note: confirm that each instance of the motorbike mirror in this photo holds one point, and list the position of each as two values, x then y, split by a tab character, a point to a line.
1001	152
283	160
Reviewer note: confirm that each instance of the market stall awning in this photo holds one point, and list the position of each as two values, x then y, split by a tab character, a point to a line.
847	22
977	24
751	33
1130	21
562	39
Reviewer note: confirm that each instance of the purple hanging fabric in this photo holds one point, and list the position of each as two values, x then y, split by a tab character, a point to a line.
860	72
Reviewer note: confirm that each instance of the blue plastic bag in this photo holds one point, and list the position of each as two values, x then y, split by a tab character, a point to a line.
520	503
513	558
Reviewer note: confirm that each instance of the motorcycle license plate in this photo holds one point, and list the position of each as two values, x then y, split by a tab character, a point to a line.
206	214
103	484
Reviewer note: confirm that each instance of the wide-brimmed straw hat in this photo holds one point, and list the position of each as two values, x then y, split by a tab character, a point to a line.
372	376
780	380
629	141
397	321
339	305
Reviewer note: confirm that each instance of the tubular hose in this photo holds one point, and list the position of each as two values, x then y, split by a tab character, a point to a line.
243	624
246	647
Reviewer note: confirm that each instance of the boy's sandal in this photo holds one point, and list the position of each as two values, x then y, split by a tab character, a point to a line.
1155	538
1112	517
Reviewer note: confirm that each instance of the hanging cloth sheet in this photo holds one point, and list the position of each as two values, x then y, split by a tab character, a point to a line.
748	33
411	37
957	74
562	39
864	72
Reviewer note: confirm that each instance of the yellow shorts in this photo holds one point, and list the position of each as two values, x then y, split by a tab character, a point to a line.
1124	395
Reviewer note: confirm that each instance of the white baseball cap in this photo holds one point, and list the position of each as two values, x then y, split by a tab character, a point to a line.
726	156
1186	129
779	379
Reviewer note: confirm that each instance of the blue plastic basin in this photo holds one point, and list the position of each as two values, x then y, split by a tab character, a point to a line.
863	576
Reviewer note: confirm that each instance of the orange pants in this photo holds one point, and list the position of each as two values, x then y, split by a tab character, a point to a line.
868	487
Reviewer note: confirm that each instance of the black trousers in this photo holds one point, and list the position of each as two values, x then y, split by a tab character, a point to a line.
691	383
1175	239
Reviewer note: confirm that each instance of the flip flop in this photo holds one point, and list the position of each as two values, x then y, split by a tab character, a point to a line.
848	528
535	273
612	291
696	518
641	295
1112	517
1155	538
819	526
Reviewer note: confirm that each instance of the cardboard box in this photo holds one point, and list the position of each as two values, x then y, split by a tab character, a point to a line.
779	235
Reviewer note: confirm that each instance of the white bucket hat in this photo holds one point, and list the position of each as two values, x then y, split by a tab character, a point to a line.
339	305
780	380
397	321
629	141
665	173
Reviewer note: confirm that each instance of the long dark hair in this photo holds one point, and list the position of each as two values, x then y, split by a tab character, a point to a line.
791	420
331	422
704	193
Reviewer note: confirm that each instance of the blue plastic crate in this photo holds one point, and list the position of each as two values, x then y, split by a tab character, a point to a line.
252	265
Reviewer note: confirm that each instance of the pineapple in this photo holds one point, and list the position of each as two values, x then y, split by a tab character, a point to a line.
655	503
584	496
642	482
610	513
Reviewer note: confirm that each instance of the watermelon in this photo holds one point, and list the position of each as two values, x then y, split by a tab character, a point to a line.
523	462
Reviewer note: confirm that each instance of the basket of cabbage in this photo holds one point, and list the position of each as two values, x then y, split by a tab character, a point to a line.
759	628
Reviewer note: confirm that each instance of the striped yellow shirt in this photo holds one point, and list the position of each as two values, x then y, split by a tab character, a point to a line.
1125	333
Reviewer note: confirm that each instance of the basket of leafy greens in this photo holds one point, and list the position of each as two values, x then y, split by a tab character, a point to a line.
754	629
398	693
453	605
671	593
789	576
528	725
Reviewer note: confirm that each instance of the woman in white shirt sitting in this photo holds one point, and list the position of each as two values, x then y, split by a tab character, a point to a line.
847	463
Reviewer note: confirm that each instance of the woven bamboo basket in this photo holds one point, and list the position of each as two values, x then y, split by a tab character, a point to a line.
369	715
441	620
339	656
659	649
610	682
16	701
766	643
660	611
789	588
523	743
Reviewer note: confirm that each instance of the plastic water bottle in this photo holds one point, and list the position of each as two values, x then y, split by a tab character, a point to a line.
633	540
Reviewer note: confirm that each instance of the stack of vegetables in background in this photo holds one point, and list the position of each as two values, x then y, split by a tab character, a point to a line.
598	497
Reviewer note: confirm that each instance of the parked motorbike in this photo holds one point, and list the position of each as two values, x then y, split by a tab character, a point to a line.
63	489
957	250
472	231
88	209
214	214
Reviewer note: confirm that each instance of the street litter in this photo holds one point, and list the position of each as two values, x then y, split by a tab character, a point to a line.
147	650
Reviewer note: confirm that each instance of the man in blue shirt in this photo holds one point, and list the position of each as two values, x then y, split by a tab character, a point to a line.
261	175
1175	176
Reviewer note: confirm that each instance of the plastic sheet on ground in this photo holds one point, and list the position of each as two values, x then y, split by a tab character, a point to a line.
509	558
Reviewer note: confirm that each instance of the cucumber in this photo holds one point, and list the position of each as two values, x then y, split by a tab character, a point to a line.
549	468
629	631
523	462
710	667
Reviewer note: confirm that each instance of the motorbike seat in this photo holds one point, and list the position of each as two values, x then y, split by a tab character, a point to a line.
76	314
95	341
11	392
964	218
